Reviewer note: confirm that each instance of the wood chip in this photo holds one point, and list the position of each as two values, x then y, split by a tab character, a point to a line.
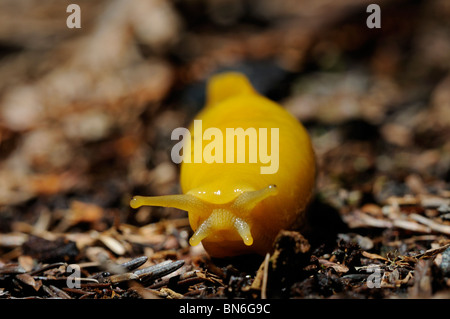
430	201
29	280
265	277
12	239
404	200
257	282
113	244
26	262
441	228
159	270
150	269
145	293
422	280
114	279
187	278
372	209
134	263
432	252
358	219
410	225
47	267
12	269
60	293
170	293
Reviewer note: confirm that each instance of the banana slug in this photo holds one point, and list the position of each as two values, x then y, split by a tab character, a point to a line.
233	207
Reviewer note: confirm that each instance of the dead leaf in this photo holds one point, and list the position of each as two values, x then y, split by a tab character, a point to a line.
373	256
337	267
29	280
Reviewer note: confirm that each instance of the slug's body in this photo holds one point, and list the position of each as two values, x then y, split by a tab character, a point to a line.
233	208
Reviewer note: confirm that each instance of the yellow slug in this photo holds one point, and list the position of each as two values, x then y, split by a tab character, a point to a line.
236	200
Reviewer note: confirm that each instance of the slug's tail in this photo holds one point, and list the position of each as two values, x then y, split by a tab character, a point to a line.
224	217
225	85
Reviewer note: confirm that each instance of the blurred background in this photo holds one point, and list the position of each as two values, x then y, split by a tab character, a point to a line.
86	114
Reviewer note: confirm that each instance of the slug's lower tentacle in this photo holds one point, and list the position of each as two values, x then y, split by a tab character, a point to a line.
221	219
201	233
244	231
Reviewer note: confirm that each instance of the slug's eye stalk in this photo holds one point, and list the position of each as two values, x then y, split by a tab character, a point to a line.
229	216
248	200
185	202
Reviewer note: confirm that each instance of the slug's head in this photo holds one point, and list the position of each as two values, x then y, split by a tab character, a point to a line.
213	218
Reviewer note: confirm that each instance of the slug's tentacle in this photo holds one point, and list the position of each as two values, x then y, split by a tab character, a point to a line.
233	218
185	202
244	231
222	217
248	200
201	233
218	219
